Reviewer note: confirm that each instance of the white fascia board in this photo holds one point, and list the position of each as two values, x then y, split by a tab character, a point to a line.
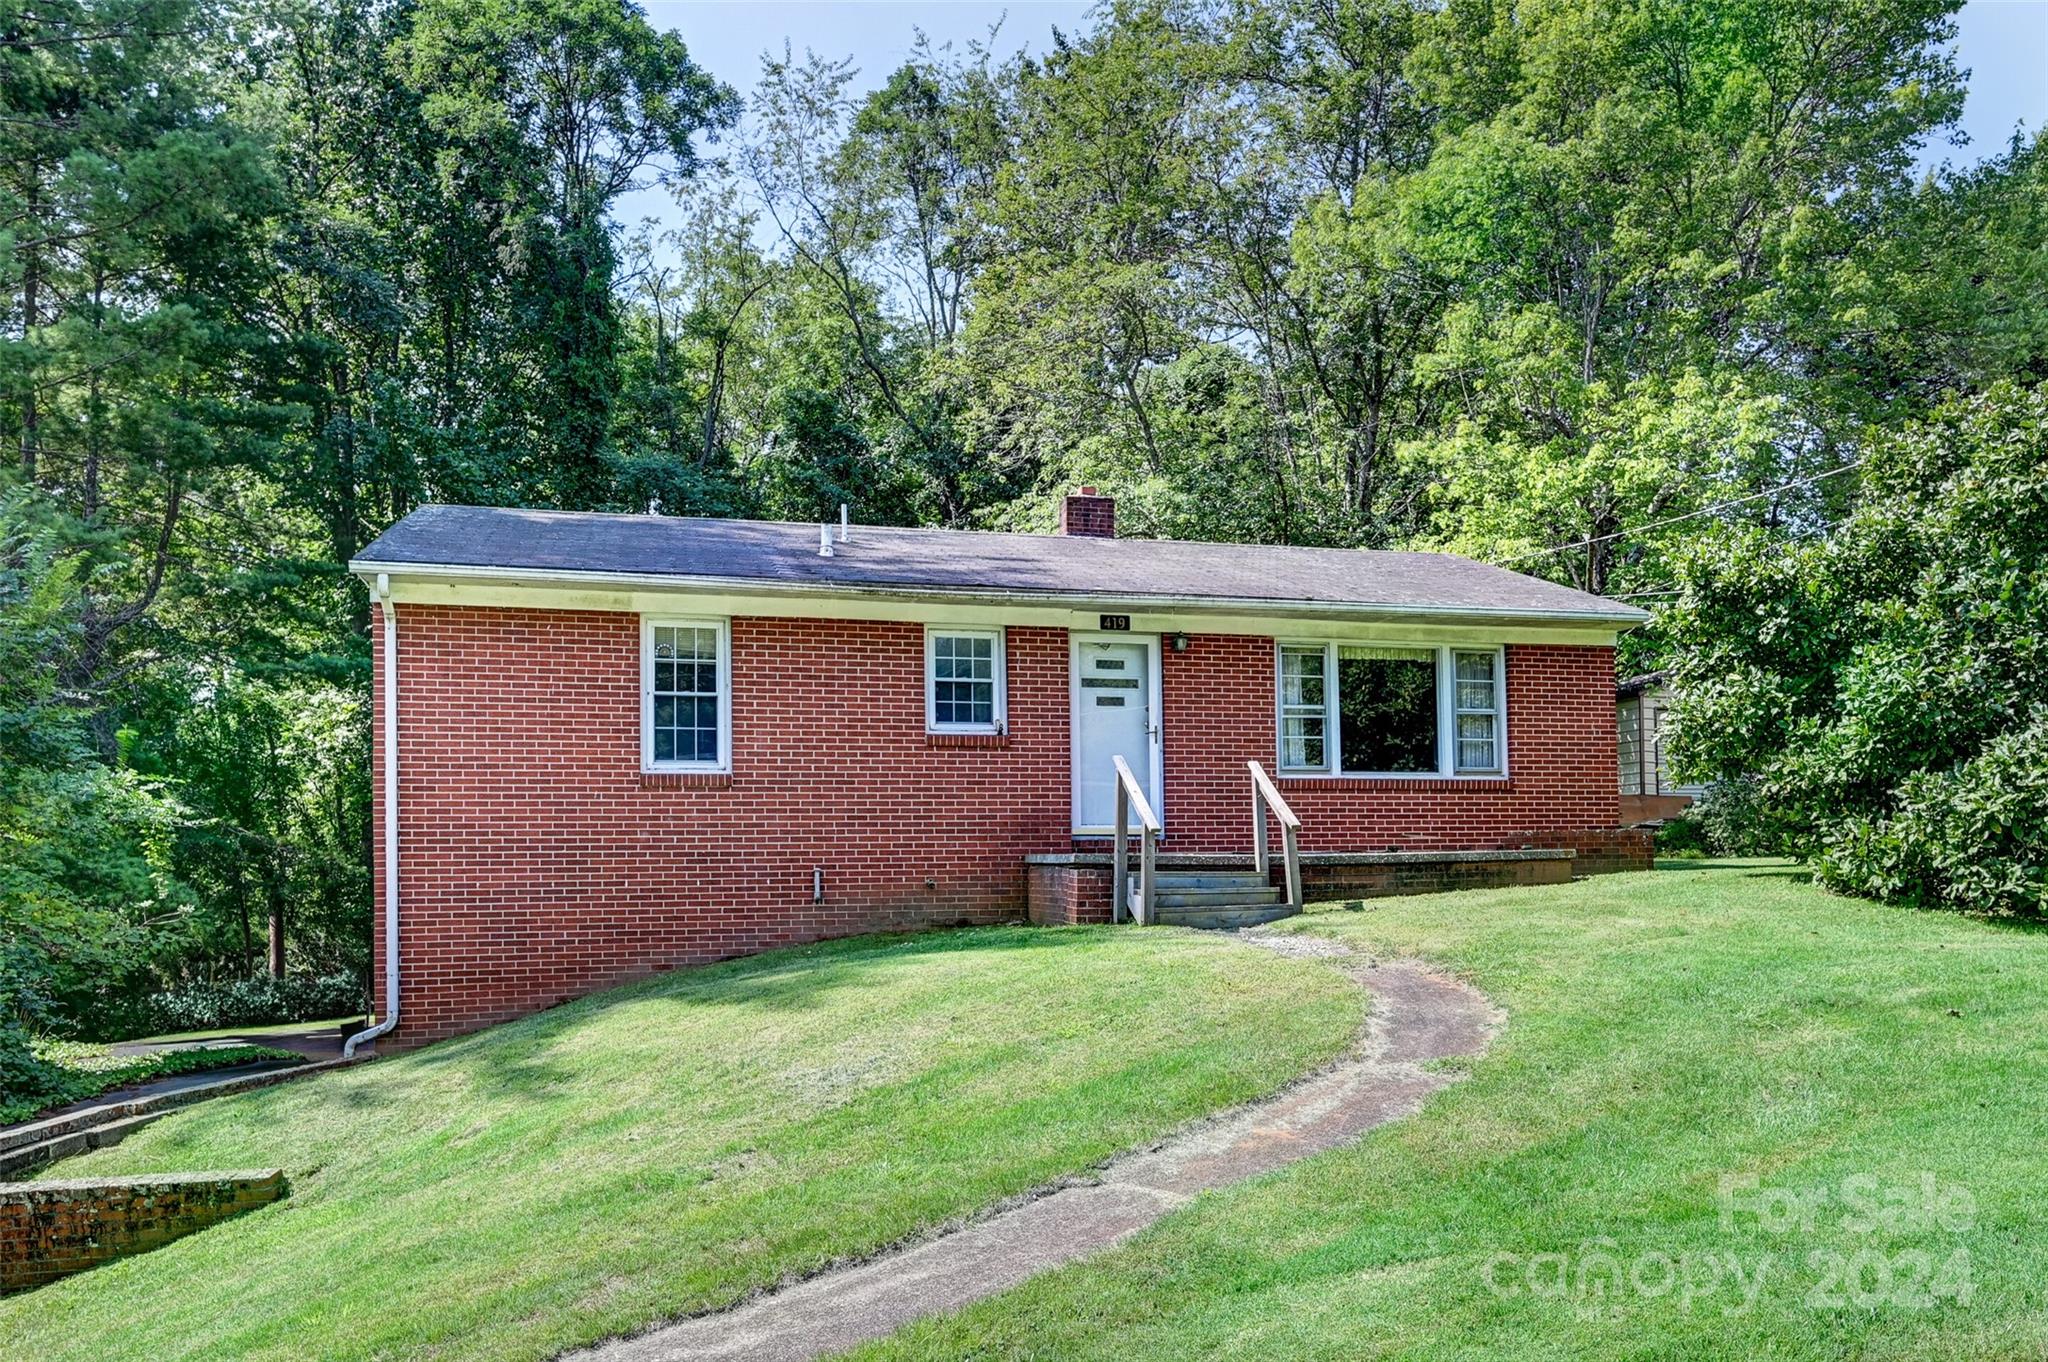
618	590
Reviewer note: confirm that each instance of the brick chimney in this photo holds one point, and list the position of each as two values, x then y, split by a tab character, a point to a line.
1087	513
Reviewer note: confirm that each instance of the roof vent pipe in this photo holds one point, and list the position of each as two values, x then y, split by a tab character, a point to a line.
845	524
824	540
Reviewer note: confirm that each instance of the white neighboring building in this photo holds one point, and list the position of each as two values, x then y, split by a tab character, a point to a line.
1648	793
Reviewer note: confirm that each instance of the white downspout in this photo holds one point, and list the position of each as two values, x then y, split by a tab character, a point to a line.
390	1017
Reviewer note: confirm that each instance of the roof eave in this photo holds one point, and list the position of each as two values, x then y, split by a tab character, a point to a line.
1619	618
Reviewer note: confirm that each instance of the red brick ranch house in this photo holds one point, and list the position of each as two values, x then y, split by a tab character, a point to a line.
613	744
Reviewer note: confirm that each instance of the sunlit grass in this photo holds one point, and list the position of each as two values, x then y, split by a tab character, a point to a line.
1664	1031
668	1147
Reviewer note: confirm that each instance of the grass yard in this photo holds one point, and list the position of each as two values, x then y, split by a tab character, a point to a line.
671	1146
1664	1030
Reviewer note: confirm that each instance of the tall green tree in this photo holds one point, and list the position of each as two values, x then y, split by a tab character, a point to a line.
566	104
1637	205
133	376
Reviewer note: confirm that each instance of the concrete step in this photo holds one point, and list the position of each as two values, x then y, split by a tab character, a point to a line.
25	1157
1167	896
1219	919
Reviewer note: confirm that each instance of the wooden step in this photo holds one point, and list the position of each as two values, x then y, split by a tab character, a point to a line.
1213	875
1211	879
1219	896
1221	918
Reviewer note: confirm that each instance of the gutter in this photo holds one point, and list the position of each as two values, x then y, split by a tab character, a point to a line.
1622	617
382	592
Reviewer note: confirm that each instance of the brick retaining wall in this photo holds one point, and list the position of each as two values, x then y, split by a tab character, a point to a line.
52	1229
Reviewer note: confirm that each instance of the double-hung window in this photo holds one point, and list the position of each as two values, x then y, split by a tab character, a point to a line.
963	680
1376	709
1475	708
685	696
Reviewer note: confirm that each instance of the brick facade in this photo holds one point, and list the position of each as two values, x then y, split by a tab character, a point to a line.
538	863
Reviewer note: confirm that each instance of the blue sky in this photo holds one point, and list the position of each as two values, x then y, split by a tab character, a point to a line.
2003	43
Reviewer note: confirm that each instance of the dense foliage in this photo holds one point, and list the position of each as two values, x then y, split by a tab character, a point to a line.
258	1001
1880	694
1565	285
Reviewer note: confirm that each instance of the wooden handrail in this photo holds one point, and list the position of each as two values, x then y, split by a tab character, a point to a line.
1271	792
1130	798
1265	795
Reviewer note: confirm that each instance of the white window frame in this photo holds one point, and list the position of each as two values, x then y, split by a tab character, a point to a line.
1500	713
648	624
932	633
1446	711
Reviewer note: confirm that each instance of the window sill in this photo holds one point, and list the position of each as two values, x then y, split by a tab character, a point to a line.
686	780
966	739
1313	783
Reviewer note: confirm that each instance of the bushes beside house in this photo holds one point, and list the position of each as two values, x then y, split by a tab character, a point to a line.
1974	836
258	1001
1880	695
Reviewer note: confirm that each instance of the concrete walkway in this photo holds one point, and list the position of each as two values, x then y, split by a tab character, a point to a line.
314	1042
148	1087
1418	1016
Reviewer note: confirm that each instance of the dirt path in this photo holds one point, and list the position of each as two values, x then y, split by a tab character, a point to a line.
1418	1016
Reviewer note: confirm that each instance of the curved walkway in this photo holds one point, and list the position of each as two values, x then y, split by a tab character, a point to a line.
1418	1016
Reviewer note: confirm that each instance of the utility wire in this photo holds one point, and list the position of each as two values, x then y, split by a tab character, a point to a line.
1679	519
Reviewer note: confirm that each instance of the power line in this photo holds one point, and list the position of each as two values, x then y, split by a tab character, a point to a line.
1679	519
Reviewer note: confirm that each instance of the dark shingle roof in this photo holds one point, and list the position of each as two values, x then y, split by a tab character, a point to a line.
785	556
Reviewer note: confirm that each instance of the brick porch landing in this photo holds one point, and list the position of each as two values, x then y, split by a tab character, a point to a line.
1072	887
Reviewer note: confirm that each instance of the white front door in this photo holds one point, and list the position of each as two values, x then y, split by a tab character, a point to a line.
1116	714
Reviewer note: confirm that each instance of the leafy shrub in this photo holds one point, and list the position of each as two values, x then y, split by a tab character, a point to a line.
1727	821
258	1001
1682	837
27	1080
1973	837
1872	698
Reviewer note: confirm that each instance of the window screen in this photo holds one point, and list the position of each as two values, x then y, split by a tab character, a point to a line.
1477	705
1304	709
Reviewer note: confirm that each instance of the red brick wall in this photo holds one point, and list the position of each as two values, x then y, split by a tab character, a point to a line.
539	864
1062	896
1219	715
52	1229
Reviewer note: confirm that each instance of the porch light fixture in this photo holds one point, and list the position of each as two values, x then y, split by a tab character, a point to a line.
1177	642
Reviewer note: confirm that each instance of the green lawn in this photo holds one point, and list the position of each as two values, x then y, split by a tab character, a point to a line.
671	1146
1664	1030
